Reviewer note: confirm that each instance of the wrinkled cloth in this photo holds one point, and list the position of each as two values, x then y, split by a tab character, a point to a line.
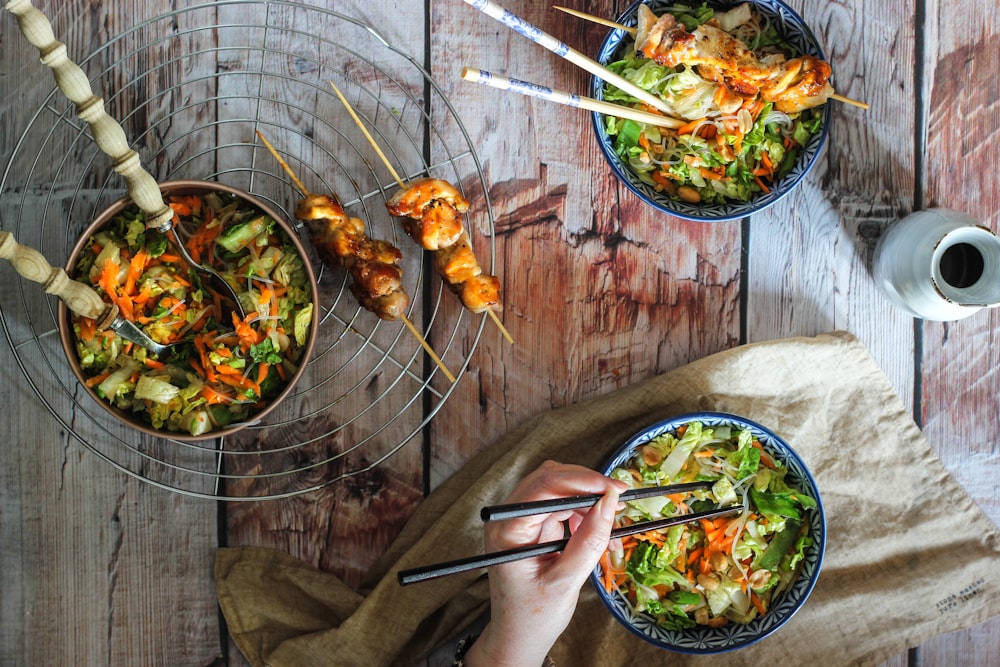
909	555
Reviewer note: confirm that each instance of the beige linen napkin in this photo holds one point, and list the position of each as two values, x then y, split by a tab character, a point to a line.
908	556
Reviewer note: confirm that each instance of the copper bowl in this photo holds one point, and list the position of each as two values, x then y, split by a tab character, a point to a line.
137	420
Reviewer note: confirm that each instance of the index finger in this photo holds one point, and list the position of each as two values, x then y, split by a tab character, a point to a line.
556	480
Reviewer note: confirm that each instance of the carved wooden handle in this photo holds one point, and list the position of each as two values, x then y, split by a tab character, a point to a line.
108	134
81	299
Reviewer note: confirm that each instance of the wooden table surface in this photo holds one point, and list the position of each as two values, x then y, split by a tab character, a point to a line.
99	566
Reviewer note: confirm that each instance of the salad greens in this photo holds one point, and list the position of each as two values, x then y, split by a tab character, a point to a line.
712	572
729	148
222	372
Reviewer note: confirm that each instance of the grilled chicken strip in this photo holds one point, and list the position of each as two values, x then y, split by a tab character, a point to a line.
792	85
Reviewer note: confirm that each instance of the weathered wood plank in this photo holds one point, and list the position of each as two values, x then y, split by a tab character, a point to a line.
959	360
809	255
604	292
85	580
361	399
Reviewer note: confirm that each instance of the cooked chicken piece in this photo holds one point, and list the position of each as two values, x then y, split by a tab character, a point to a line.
439	226
457	263
480	294
341	241
792	85
390	306
424	192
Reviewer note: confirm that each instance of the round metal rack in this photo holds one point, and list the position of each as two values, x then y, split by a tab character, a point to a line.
191	88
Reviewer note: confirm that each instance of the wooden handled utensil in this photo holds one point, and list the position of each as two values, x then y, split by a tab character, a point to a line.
110	138
81	299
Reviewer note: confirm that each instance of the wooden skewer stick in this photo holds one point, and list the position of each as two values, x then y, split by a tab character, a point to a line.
368	136
402	186
848	100
409	325
632	31
595	19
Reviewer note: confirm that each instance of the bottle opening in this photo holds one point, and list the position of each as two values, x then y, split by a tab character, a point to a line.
962	265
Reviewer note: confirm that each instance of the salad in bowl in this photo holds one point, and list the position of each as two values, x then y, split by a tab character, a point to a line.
713	585
221	370
745	87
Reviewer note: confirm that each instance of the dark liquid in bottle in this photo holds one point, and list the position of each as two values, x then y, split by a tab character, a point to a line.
961	265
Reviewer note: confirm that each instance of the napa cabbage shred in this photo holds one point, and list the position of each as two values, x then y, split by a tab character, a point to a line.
713	572
719	154
222	372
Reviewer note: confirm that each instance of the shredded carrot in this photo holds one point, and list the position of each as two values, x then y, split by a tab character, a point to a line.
204	235
153	363
180	208
135	268
88	329
704	453
755	599
261	373
711	175
659	177
688	128
214	397
246	333
765	158
606	569
765	458
763	187
191	202
97	379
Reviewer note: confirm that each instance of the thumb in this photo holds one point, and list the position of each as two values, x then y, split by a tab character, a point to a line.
590	540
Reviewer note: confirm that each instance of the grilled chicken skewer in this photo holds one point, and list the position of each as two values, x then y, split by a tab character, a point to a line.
432	210
792	85
341	241
797	78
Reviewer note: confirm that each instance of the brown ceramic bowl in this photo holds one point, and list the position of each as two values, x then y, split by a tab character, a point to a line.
198	411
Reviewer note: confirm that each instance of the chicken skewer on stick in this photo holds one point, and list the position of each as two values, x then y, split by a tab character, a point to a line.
432	211
793	85
341	241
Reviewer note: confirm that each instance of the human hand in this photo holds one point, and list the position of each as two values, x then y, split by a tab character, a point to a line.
532	600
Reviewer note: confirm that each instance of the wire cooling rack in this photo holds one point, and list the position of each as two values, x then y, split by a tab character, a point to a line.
191	87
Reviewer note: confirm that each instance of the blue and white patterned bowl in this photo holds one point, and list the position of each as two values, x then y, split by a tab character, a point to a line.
702	640
794	30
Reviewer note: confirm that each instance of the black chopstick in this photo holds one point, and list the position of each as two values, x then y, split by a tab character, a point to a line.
426	572
515	510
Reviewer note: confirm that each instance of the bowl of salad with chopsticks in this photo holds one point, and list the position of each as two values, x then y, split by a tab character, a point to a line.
222	371
713	585
741	92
